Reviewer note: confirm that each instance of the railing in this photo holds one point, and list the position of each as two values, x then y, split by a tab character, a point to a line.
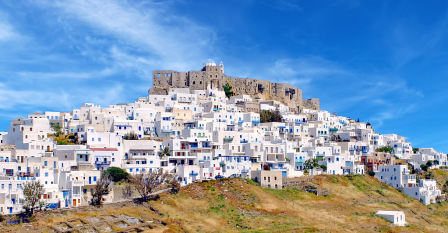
76	196
256	122
200	127
201	136
206	146
244	141
228	139
26	178
193	146
167	130
217	109
25	174
77	183
201	160
240	121
102	162
300	160
334	129
193	174
245	171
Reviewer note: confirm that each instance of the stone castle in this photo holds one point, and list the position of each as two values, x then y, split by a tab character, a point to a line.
213	76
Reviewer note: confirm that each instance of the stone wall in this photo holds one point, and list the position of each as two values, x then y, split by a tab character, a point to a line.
212	75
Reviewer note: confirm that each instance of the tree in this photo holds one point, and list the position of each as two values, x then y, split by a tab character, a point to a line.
56	128
147	181
175	185
429	163
32	191
310	164
270	116
127	191
371	173
166	151
319	144
131	136
116	174
424	167
385	149
323	167
103	187
228	90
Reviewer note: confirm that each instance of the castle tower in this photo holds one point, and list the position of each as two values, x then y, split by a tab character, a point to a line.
222	67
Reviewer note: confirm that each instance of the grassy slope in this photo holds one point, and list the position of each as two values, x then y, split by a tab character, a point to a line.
236	205
349	208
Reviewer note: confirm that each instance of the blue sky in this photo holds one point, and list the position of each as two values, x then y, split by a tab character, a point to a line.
379	61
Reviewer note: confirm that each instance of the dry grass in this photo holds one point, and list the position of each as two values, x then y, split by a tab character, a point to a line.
235	205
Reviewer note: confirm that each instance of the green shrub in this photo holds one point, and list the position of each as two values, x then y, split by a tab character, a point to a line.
371	173
117	174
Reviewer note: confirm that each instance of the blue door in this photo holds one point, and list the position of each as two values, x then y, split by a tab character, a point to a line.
10	210
284	174
90	180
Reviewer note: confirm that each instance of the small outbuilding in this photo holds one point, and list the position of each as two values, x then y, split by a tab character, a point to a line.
396	217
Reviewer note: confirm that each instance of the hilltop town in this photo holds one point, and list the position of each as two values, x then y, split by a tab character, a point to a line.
263	131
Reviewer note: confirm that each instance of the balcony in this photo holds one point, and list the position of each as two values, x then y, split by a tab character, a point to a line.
300	160
256	122
244	141
167	130
76	195
228	139
200	127
25	174
193	146
334	129
240	121
77	183
217	109
230	123
245	171
102	162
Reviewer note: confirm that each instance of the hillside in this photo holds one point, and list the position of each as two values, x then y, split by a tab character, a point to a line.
239	205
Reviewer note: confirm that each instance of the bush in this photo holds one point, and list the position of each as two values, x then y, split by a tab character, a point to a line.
266	167
2	218
371	173
429	163
323	167
117	174
424	167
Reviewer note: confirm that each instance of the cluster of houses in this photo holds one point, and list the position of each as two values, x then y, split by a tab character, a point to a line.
208	136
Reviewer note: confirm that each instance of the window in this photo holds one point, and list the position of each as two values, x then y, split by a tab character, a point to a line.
3	186
45	163
94	178
46	174
84	191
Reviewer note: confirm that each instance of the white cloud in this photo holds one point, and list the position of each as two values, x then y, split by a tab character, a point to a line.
306	67
75	75
171	41
7	32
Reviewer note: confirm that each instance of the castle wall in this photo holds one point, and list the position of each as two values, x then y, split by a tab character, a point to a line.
212	75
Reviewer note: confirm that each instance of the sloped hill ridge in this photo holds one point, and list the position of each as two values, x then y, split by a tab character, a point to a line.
231	205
